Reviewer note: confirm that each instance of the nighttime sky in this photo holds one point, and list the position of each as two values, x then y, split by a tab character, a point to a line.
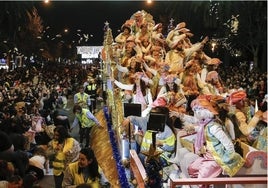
88	16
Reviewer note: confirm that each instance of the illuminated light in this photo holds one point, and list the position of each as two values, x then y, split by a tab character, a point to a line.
46	1
149	1
65	30
213	44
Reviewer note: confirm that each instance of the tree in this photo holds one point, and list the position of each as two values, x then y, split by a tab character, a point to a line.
251	34
12	18
31	33
250	38
18	24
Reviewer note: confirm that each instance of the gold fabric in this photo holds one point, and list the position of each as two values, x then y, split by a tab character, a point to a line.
101	145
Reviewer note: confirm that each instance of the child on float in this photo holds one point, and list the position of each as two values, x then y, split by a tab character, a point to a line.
140	91
213	148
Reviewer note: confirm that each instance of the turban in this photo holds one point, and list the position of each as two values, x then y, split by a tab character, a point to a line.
204	104
236	97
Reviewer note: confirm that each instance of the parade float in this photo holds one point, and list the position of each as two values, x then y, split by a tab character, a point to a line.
106	142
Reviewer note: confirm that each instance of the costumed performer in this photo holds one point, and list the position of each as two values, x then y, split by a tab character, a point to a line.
213	147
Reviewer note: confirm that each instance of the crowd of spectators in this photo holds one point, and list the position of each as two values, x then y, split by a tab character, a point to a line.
253	81
30	99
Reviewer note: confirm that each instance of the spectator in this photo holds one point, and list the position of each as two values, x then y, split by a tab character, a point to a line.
39	162
85	170
18	158
62	150
81	98
87	121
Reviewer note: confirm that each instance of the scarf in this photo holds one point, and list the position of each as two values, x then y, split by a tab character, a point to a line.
140	98
200	138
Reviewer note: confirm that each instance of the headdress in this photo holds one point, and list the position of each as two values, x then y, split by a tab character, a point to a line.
180	25
204	103
236	97
127	24
157	26
212	75
138	14
176	40
170	78
184	30
213	61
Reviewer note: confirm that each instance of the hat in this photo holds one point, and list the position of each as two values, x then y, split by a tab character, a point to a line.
184	30
158	37
128	27
215	100
170	78
138	14
157	26
204	103
176	40
236	97
128	23
212	75
213	61
180	25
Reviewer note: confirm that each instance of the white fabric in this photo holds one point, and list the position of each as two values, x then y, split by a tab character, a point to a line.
230	128
222	137
122	69
124	86
37	161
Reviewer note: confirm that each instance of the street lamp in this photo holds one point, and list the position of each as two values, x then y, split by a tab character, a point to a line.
213	44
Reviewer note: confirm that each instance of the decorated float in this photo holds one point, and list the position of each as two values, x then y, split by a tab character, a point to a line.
107	142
